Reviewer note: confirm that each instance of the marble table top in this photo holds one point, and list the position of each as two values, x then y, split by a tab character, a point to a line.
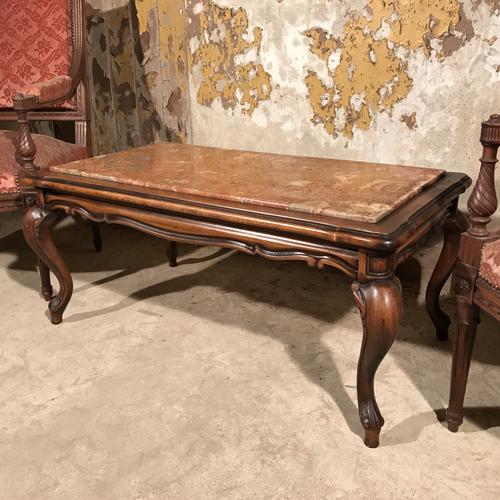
365	192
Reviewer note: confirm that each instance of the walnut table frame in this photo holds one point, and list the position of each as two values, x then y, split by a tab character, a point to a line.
368	252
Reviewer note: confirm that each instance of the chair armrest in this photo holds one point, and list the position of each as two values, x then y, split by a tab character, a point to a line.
43	93
49	90
30	98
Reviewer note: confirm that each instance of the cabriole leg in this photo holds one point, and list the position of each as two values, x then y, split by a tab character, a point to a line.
36	228
379	303
453	227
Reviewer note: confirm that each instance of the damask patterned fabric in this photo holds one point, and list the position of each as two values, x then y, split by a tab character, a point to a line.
50	152
49	90
35	44
489	268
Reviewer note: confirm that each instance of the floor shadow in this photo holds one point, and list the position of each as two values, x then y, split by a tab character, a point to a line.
199	260
73	238
261	281
417	341
304	347
483	417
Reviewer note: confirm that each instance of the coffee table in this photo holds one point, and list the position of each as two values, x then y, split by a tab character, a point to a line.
361	218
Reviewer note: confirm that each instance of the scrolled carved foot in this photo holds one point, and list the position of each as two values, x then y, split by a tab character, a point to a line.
372	438
372	421
55	317
56	309
379	303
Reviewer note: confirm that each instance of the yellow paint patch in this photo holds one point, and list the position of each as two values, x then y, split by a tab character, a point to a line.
144	7
173	36
414	24
224	42
369	74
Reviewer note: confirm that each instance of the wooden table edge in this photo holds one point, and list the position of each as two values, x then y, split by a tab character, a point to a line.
388	234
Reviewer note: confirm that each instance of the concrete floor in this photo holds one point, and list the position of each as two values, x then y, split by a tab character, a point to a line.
230	377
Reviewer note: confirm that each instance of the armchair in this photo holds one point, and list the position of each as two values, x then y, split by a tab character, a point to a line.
42	77
476	279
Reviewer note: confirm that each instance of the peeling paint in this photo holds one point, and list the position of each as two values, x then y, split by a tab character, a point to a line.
414	77
139	50
494	5
410	120
122	74
372	74
101	94
162	26
144	7
173	35
228	57
174	76
455	39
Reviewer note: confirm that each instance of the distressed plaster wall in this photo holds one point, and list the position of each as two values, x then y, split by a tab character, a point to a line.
138	72
382	80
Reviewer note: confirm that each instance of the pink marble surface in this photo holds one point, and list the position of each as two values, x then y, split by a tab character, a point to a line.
357	191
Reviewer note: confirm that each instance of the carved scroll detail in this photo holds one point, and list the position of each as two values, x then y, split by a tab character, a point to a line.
26	149
313	260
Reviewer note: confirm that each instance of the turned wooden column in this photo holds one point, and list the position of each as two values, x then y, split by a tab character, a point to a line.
483	201
26	149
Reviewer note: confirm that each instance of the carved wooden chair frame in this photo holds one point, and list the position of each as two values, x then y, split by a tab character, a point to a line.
28	107
472	292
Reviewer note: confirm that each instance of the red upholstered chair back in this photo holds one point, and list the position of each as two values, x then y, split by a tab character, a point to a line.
41	41
35	44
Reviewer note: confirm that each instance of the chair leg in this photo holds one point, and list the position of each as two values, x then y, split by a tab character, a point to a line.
96	234
46	289
172	253
468	319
